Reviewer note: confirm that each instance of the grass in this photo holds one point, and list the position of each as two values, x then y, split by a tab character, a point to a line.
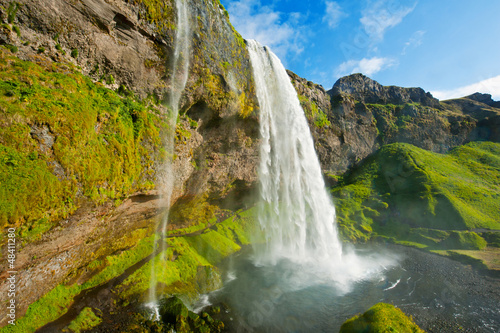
177	269
313	113
381	318
402	190
100	140
86	320
57	301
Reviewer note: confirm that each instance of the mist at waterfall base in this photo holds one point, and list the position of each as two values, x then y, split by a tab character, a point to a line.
301	257
301	278
296	214
442	295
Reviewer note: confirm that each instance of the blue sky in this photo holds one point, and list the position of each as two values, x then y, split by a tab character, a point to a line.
448	47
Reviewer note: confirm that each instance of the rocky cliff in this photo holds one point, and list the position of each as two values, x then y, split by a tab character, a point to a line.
84	102
360	116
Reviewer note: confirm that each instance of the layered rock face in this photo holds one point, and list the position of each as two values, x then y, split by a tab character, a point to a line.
128	46
363	115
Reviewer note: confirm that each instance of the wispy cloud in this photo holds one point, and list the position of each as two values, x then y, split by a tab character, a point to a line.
277	30
333	14
489	86
382	15
414	41
366	66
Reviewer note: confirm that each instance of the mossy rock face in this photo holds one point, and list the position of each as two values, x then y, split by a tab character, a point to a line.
173	310
176	315
64	138
381	318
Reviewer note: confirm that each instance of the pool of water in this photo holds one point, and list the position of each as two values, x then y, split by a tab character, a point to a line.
441	295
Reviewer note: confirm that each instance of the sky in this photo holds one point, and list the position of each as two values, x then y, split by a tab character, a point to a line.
448	47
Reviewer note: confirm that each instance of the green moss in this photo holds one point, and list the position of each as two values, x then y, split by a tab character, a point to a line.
403	187
176	269
12	11
30	193
11	48
381	318
101	141
60	49
492	238
160	13
86	320
16	30
74	53
213	245
56	302
463	240
191	211
45	310
176	316
313	113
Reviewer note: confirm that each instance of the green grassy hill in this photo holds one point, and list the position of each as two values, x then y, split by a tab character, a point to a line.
412	195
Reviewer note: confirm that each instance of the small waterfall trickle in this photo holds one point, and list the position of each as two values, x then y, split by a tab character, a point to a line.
296	215
180	71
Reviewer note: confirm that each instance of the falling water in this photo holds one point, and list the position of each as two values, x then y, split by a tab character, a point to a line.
180	71
297	215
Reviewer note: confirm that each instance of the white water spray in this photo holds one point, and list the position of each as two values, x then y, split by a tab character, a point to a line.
297	214
180	71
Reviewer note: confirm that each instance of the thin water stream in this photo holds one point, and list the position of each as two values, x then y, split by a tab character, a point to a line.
180	72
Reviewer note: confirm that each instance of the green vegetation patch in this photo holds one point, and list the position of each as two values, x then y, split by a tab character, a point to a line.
402	190
86	320
313	113
381	318
57	301
189	256
62	134
177	317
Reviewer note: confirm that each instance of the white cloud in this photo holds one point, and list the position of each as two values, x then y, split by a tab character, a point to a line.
489	86
381	15
365	66
278	31
334	14
414	41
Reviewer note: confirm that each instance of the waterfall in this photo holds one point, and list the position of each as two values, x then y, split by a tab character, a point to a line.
296	213
180	71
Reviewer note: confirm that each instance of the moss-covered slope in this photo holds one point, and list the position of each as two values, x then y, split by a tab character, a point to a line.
381	318
187	267
64	138
402	190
